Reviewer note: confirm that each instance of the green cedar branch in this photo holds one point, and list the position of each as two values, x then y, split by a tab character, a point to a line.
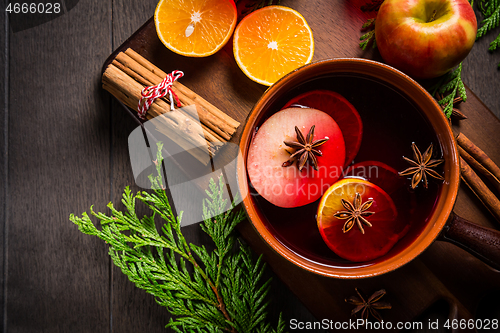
449	85
217	291
495	45
369	36
490	9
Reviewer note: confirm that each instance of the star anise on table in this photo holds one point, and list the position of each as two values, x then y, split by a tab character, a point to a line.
370	306
455	112
355	213
421	166
305	149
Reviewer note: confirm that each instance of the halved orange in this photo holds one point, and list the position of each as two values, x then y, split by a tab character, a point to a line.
271	42
195	28
356	244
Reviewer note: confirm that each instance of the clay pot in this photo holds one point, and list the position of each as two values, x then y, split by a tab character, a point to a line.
443	224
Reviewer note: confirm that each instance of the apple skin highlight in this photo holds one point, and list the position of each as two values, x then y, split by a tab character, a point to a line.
288	187
425	38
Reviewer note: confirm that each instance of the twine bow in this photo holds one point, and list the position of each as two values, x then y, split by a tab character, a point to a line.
150	94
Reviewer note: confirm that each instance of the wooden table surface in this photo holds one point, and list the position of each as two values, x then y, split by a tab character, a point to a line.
64	148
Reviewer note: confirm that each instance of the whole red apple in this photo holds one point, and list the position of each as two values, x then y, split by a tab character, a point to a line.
425	38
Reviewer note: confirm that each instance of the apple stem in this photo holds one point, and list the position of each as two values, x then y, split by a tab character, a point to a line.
433	16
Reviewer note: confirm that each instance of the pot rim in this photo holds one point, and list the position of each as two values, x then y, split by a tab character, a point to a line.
434	115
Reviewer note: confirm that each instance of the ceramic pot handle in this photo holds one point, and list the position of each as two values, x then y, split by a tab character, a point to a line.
483	243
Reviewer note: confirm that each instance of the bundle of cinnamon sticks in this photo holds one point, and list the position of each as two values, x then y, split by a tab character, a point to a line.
129	73
472	157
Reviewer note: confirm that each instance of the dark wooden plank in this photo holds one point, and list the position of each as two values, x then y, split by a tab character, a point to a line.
58	278
132	309
4	160
481	73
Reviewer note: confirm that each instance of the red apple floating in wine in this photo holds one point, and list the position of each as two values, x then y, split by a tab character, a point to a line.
275	176
341	110
425	38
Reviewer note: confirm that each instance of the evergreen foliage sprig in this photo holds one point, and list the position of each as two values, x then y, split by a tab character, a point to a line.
491	12
368	36
369	25
216	291
449	85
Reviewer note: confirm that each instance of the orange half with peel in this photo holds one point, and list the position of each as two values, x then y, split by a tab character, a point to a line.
271	42
195	28
357	245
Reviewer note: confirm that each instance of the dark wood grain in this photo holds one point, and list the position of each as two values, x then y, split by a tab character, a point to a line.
67	149
3	162
132	309
481	72
59	163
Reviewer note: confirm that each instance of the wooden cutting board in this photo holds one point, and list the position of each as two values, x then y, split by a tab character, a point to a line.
442	272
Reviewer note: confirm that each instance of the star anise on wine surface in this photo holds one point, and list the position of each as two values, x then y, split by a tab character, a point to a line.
421	167
370	306
355	213
305	149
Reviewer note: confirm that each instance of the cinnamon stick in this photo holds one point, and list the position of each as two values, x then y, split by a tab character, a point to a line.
179	87
207	115
478	155
479	168
132	74
179	139
472	180
210	135
129	73
183	133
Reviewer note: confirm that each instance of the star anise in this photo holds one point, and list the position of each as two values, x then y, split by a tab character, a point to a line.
356	213
421	166
454	112
369	306
304	149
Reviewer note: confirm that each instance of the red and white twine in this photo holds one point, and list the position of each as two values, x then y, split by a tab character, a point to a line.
150	94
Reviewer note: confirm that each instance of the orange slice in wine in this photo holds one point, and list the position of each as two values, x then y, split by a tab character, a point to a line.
358	244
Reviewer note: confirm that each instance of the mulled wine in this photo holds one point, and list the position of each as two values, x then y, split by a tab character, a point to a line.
391	123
